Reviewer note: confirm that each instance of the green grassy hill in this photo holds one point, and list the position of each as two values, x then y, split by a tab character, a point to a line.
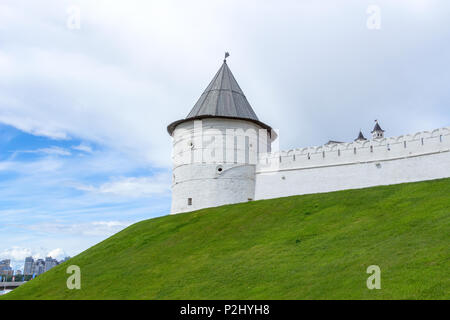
302	247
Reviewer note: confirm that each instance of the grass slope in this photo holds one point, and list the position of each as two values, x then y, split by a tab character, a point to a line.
301	247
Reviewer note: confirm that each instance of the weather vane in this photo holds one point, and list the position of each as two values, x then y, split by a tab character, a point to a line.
227	54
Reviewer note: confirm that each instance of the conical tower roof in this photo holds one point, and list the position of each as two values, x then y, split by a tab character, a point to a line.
377	127
360	137
223	98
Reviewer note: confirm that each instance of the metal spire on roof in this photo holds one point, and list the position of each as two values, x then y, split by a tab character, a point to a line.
227	54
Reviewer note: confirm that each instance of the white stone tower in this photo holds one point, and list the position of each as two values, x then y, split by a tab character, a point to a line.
215	147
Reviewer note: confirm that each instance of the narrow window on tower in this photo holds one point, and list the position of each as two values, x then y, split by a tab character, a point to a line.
189	201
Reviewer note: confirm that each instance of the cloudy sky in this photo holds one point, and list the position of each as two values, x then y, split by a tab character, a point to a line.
87	89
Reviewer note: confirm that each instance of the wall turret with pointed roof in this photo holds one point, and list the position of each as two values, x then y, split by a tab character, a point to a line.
215	148
377	132
360	137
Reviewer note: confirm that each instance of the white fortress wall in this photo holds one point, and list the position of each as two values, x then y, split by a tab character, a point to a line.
409	158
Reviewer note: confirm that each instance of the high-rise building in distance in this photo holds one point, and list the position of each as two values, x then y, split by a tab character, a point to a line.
28	267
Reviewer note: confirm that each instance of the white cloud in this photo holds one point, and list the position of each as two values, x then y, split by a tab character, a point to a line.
83	147
34	168
57	253
135	187
52	151
152	60
5	62
95	228
15	253
55	151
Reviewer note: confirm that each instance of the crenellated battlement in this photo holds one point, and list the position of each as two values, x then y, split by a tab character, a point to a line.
376	150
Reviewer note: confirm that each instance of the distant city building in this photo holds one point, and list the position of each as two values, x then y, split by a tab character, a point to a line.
5	267
28	267
39	267
50	263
